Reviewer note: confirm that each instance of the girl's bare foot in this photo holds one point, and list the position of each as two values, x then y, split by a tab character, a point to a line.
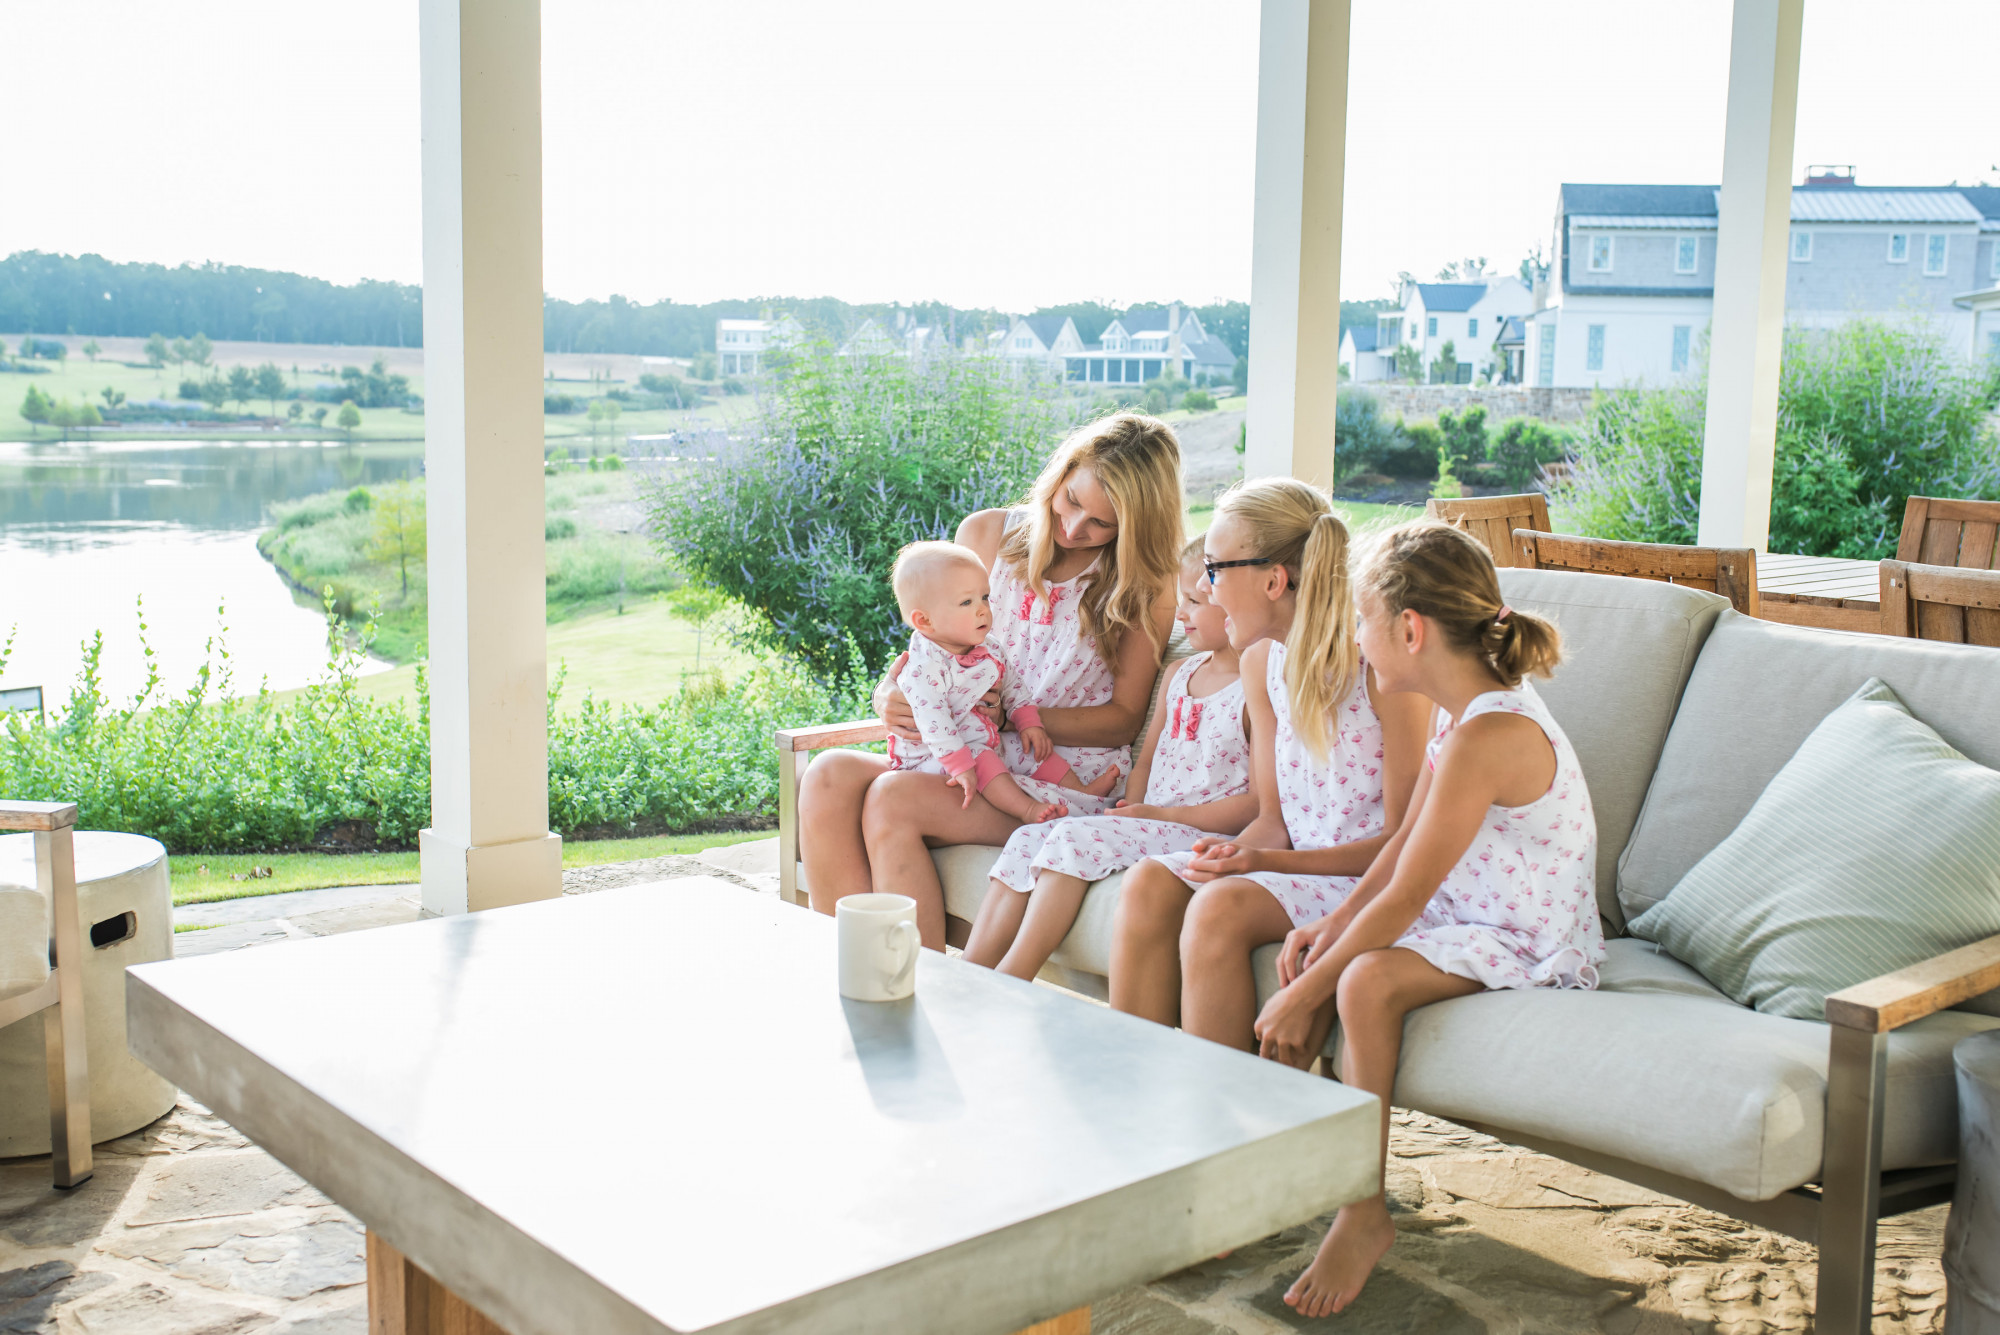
1360	1237
1102	785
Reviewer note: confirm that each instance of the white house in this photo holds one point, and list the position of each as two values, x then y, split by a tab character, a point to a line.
740	345
906	338
1147	342
1048	339
1635	271
1469	316
1360	358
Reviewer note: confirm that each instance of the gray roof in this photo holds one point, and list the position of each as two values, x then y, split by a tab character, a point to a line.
1512	330
1046	327
1985	198
1845	204
1144	320
1364	337
1694	201
1450	296
1211	352
1658	205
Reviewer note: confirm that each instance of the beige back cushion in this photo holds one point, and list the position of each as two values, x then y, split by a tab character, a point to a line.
1628	647
1758	691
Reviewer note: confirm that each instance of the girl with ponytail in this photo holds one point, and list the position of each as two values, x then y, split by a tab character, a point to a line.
1490	882
1333	761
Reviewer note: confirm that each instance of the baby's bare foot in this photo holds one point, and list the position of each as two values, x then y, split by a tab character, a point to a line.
1102	785
1042	811
1360	1237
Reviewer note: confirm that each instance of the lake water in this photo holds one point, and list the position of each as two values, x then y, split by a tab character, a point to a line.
88	529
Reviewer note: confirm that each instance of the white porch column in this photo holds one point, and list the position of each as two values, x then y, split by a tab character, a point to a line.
1752	249
489	842
1295	248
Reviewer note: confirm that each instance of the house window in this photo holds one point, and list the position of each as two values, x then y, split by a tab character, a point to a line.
1472	326
1075	367
1993	345
1593	349
1097	368
1934	254
1681	335
1600	254
1801	247
1995	266
1546	372
1431	327
1024	342
1687	250
1413	331
1132	372
1899	247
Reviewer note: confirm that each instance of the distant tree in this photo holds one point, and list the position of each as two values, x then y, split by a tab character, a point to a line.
157	351
297	410
112	397
1462	271
181	354
1447	364
399	527
35	407
214	391
350	417
270	384
242	385
603	415
64	417
1409	362
319	415
1534	268
87	417
703	366
698	605
91	350
200	349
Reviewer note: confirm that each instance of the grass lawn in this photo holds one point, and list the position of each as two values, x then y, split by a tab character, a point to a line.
199	878
1361	517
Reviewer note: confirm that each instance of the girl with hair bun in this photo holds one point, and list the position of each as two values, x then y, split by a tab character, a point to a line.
1490	883
1333	760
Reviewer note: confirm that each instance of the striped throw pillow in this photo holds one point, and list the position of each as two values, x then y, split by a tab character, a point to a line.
1875	847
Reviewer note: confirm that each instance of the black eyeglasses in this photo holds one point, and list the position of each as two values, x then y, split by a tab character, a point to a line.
1210	567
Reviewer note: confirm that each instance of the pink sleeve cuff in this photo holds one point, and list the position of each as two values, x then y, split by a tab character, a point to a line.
1025	716
989	768
959	761
1051	770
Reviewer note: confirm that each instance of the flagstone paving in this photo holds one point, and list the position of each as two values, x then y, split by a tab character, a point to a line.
188	1229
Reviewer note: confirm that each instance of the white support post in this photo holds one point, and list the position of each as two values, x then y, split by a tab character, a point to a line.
1295	248
1752	249
489	842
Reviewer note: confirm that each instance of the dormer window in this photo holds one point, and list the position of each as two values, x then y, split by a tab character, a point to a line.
1600	254
1687	251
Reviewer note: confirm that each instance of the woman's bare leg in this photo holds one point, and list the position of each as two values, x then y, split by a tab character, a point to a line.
1051	913
1145	943
993	931
1376	991
830	842
1225	923
905	815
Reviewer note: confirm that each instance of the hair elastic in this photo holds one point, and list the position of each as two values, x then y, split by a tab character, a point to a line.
1505	612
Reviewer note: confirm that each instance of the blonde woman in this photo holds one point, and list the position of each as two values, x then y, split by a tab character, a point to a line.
1333	761
1083	599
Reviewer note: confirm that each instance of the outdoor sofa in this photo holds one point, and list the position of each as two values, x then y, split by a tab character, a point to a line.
1682	710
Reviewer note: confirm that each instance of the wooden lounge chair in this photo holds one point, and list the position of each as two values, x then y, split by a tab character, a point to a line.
60	996
1941	532
1729	571
1493	519
1929	602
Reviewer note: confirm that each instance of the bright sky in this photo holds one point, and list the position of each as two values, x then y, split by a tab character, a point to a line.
1008	155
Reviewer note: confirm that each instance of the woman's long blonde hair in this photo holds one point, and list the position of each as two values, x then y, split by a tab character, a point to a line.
1293	524
1137	460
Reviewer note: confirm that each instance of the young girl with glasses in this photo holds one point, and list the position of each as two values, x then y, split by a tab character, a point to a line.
1333	760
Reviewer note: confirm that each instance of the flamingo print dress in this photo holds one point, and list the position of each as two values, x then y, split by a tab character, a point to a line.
1324	805
1520	908
1201	757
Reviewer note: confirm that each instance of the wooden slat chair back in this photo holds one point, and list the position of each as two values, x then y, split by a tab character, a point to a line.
1939	532
1927	602
1493	519
1729	571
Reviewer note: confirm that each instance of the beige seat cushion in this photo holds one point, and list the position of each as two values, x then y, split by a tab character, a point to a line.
1660	1068
1082	962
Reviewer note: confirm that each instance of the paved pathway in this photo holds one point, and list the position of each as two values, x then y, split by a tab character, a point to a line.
187	1229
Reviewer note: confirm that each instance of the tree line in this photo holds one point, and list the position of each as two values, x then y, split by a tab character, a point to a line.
85	295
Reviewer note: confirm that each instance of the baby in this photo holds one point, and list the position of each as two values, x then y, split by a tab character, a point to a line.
942	590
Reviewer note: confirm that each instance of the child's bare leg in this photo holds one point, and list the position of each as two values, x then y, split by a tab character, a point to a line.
1051	913
1376	991
1227	921
994	928
1009	797
1145	955
1100	786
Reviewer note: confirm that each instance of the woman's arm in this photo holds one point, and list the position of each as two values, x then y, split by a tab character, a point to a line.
1116	721
982	531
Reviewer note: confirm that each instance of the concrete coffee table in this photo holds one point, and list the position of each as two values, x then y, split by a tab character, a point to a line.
649	1110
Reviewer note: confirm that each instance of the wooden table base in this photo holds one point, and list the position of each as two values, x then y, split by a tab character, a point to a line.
403	1299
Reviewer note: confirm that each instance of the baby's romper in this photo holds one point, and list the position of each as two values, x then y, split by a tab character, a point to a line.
1323	805
1202	757
1051	664
942	688
1520	908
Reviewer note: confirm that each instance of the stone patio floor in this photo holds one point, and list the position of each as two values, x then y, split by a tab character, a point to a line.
188	1229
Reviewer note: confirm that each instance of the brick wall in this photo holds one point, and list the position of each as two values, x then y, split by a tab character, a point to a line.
1500	401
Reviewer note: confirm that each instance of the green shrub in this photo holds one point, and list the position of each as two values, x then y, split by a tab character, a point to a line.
1416	455
357	501
1198	401
800	516
556	527
1363	439
1463	436
1522	446
1869	414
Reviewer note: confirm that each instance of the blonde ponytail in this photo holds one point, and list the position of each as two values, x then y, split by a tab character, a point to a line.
1293	523
1444	575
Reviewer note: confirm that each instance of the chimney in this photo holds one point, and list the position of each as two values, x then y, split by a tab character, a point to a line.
1174	338
1541	293
1830	174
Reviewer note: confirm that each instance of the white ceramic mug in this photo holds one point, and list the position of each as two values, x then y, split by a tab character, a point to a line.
878	947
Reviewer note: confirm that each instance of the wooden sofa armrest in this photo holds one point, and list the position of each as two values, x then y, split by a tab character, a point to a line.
793	740
1895	999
